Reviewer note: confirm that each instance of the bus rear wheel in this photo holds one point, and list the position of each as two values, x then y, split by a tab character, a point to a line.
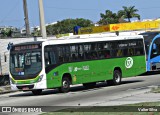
65	85
117	75
37	92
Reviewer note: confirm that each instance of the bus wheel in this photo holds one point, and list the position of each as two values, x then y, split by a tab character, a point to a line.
65	85
116	78
37	92
89	85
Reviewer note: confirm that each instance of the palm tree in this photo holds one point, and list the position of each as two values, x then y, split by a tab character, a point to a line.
129	12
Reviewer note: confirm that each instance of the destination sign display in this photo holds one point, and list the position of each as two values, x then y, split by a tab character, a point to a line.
26	47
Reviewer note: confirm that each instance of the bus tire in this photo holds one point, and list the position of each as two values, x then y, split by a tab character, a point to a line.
117	75
89	85
65	85
37	91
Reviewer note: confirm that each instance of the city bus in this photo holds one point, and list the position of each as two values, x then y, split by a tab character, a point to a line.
60	63
152	44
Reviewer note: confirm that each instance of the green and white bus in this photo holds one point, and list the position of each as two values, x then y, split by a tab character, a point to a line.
59	63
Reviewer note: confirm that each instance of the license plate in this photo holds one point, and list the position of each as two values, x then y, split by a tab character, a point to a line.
25	88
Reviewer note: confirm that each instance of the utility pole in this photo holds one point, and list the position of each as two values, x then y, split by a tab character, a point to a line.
26	17
42	20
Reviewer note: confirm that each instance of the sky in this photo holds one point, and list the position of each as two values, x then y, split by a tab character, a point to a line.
11	11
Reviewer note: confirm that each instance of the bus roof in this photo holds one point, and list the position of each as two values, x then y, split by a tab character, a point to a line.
89	38
82	39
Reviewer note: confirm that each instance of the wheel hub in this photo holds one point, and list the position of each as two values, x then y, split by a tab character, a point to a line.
65	84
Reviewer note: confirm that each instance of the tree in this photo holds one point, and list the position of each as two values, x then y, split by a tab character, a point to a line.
128	12
111	18
108	18
6	32
67	25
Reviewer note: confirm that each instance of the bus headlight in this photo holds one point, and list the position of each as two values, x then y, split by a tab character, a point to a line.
40	78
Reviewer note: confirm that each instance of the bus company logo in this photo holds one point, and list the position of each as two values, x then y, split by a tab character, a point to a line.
77	69
86	67
129	62
70	69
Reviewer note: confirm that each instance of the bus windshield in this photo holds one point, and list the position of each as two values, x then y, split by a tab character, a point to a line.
25	63
148	37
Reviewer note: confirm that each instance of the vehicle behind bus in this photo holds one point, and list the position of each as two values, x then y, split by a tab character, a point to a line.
152	44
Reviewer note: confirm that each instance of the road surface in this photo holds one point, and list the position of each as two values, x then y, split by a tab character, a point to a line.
79	96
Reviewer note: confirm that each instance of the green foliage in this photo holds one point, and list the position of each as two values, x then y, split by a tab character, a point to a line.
111	18
108	18
129	12
6	32
67	25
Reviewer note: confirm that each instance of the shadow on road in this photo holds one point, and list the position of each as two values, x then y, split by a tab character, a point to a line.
129	81
74	89
29	93
150	73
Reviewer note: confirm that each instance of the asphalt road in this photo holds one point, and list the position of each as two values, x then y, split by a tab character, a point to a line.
78	96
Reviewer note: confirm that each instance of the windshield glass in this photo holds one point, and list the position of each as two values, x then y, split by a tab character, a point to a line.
26	63
148	37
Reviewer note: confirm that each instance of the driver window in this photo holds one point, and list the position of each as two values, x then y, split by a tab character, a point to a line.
47	61
49	56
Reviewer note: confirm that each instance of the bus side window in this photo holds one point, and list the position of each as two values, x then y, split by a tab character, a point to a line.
86	54
74	58
60	59
107	54
119	53
38	58
101	54
131	51
93	55
80	57
139	51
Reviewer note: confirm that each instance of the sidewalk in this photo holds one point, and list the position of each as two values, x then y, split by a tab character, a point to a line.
5	89
141	96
